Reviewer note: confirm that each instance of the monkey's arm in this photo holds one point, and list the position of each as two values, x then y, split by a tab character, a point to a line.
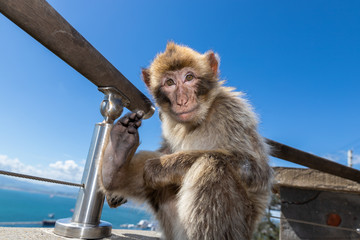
171	168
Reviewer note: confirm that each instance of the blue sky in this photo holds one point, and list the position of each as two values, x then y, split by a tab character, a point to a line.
297	61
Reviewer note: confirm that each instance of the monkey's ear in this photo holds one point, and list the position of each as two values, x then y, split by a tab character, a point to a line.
146	76
214	61
170	46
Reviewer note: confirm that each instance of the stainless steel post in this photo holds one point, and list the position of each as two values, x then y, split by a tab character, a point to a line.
86	222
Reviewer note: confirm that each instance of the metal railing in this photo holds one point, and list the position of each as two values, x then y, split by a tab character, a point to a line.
46	25
36	178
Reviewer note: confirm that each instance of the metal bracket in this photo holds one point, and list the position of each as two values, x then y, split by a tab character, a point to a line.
112	105
85	222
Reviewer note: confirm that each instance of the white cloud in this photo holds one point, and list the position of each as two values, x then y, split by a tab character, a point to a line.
67	170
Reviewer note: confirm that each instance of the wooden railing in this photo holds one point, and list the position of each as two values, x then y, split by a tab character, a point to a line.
294	155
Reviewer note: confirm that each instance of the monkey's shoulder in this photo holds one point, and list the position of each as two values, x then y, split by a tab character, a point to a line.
233	109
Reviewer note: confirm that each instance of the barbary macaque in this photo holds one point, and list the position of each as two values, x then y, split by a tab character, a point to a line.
210	179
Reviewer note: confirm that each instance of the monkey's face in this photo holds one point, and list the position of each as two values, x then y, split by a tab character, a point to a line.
178	94
182	82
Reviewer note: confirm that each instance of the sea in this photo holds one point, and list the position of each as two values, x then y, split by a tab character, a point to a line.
19	208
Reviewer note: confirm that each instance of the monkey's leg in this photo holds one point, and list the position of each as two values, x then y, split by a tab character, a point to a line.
213	203
124	140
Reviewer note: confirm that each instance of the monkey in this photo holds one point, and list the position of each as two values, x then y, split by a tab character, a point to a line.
211	178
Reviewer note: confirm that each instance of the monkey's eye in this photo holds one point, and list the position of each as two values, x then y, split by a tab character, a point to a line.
189	77
169	82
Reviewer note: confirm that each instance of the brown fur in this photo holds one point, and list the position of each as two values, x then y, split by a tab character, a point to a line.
211	178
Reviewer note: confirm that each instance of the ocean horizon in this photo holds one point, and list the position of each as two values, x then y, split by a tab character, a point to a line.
19	206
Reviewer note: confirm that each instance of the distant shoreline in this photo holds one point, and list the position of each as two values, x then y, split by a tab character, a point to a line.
39	192
129	204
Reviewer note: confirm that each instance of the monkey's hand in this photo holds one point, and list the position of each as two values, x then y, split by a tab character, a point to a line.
124	140
115	200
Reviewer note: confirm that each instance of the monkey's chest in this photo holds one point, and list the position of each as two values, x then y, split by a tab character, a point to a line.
192	141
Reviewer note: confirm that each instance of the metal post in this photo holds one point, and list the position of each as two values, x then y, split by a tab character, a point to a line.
86	222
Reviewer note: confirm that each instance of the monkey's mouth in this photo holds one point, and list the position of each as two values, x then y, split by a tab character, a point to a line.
185	115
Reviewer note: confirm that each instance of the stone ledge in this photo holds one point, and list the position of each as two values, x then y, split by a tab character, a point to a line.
14	233
313	179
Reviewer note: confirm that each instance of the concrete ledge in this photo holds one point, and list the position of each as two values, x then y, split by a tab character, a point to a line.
313	179
47	234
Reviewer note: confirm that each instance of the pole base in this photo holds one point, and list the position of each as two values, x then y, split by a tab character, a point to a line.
66	228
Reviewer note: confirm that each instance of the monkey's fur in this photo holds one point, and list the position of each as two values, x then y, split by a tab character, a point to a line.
211	178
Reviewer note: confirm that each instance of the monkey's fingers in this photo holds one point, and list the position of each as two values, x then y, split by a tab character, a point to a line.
132	128
140	114
132	116
124	120
132	121
115	201
129	117
138	124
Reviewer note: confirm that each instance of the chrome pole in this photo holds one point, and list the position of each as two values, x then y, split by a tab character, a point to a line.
85	222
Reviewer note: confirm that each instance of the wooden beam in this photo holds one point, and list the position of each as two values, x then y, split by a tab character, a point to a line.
46	25
294	155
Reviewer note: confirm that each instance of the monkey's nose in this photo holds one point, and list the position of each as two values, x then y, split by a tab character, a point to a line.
182	101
